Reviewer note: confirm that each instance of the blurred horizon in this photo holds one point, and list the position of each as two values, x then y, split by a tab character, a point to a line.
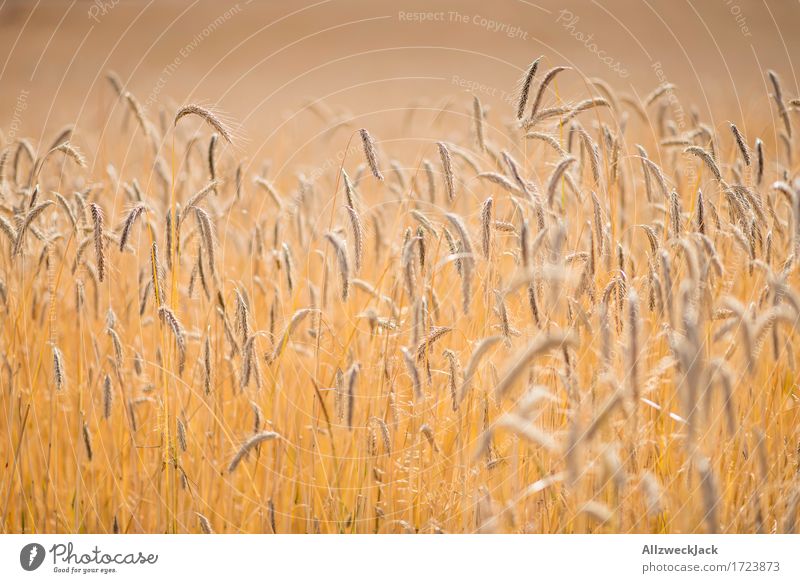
259	61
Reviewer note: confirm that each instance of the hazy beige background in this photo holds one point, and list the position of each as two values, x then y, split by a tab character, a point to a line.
261	59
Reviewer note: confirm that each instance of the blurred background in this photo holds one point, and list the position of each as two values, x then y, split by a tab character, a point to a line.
260	61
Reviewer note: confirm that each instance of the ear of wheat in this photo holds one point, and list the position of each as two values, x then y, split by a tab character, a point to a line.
58	368
370	153
207	116
525	87
447	168
248	445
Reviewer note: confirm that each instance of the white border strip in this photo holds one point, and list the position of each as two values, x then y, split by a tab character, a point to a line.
402	558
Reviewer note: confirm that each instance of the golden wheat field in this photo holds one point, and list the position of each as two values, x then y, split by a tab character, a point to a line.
554	291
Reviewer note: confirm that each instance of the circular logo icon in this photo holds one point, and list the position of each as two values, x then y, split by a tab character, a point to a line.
31	556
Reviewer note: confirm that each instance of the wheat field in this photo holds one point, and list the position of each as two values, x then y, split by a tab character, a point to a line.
572	311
